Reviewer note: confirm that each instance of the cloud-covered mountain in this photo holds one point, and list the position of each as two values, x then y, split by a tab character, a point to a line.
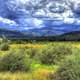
40	17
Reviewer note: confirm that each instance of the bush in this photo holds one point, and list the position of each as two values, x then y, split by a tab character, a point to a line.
53	53
32	52
15	61
4	44
4	47
69	69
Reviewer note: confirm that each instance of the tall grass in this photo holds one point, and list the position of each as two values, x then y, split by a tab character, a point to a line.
43	58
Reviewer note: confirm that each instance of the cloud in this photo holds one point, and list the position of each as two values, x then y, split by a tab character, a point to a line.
7	21
69	20
25	9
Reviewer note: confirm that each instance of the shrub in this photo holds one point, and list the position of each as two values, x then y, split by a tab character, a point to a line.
53	53
32	52
15	61
4	46
69	69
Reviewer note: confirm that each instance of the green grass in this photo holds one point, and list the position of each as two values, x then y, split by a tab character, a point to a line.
38	71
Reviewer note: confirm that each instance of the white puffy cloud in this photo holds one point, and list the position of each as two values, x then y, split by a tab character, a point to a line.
38	23
7	21
69	20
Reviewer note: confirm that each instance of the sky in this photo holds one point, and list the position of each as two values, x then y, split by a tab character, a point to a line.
26	15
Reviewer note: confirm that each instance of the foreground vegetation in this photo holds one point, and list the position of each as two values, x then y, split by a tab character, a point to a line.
39	60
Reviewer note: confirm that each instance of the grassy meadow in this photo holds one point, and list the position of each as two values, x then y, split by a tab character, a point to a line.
36	60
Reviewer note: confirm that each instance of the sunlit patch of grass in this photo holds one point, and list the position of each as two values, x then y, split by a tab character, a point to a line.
77	45
38	74
15	76
27	45
42	66
2	53
41	74
43	44
36	45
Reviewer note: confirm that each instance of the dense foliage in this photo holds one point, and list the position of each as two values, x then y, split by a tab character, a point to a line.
41	60
52	54
15	61
69	69
4	44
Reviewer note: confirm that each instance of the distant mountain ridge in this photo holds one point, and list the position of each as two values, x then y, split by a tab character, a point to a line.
71	36
11	34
